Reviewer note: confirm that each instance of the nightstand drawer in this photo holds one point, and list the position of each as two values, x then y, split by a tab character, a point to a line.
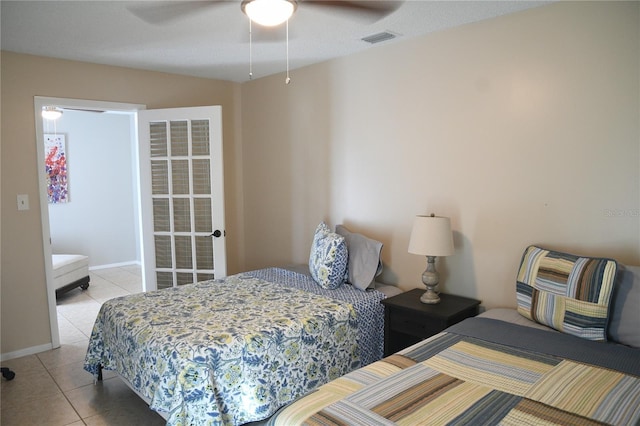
414	325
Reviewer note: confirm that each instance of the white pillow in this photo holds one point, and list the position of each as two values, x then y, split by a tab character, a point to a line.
364	258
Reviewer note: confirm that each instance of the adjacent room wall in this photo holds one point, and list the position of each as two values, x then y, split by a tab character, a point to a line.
24	310
522	129
100	219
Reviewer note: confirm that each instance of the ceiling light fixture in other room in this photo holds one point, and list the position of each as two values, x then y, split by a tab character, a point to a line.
269	13
51	113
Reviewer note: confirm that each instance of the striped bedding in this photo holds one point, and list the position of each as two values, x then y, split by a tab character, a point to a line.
483	371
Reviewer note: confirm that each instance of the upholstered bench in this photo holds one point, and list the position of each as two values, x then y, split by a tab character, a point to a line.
70	271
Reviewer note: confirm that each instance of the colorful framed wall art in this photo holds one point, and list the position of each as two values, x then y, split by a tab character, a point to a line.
56	168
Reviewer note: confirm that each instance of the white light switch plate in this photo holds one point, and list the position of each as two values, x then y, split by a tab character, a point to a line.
23	202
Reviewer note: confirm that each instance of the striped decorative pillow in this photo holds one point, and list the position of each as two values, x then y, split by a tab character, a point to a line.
568	293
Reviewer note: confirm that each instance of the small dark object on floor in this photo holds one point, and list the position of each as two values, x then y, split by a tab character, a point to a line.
7	374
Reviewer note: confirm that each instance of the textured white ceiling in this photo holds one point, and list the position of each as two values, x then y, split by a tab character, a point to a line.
212	40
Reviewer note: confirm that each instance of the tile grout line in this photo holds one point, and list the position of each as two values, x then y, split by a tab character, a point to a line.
123	282
82	332
61	391
117	284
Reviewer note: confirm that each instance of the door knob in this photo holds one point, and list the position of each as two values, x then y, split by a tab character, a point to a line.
216	233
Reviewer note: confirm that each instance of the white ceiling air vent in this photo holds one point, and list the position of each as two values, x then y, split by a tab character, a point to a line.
379	37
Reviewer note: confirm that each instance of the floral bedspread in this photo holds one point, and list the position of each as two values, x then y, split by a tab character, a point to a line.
226	351
369	310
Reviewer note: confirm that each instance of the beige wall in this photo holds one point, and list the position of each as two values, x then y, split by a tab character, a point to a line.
25	315
523	129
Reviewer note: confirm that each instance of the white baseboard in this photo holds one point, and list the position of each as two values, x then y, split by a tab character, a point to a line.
114	265
27	351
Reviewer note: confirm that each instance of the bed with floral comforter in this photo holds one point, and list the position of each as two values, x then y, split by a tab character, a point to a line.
232	351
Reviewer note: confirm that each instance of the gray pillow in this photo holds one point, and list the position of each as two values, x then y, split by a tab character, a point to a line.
624	314
364	258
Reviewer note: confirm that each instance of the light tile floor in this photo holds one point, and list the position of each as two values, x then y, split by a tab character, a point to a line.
52	389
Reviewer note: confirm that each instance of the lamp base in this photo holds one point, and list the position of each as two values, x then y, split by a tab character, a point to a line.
430	278
430	297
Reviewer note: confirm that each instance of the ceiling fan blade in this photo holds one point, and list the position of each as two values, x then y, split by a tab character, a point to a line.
165	12
368	9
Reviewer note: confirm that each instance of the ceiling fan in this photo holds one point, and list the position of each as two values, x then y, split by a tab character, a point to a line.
162	12
265	13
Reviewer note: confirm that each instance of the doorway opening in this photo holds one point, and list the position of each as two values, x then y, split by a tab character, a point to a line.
92	178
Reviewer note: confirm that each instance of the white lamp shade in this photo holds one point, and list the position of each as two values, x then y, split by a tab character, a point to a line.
268	12
431	236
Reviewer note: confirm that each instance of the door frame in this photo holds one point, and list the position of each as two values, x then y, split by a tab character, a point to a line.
38	103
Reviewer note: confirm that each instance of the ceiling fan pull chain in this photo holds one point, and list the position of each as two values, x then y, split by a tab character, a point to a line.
288	79
250	54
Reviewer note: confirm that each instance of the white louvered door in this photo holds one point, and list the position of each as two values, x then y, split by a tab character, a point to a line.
182	198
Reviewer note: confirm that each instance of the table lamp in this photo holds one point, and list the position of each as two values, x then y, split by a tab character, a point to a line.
431	236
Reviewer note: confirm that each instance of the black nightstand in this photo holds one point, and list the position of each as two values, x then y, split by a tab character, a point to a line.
408	321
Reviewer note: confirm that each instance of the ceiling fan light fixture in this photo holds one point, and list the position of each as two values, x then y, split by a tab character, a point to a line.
269	13
51	113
